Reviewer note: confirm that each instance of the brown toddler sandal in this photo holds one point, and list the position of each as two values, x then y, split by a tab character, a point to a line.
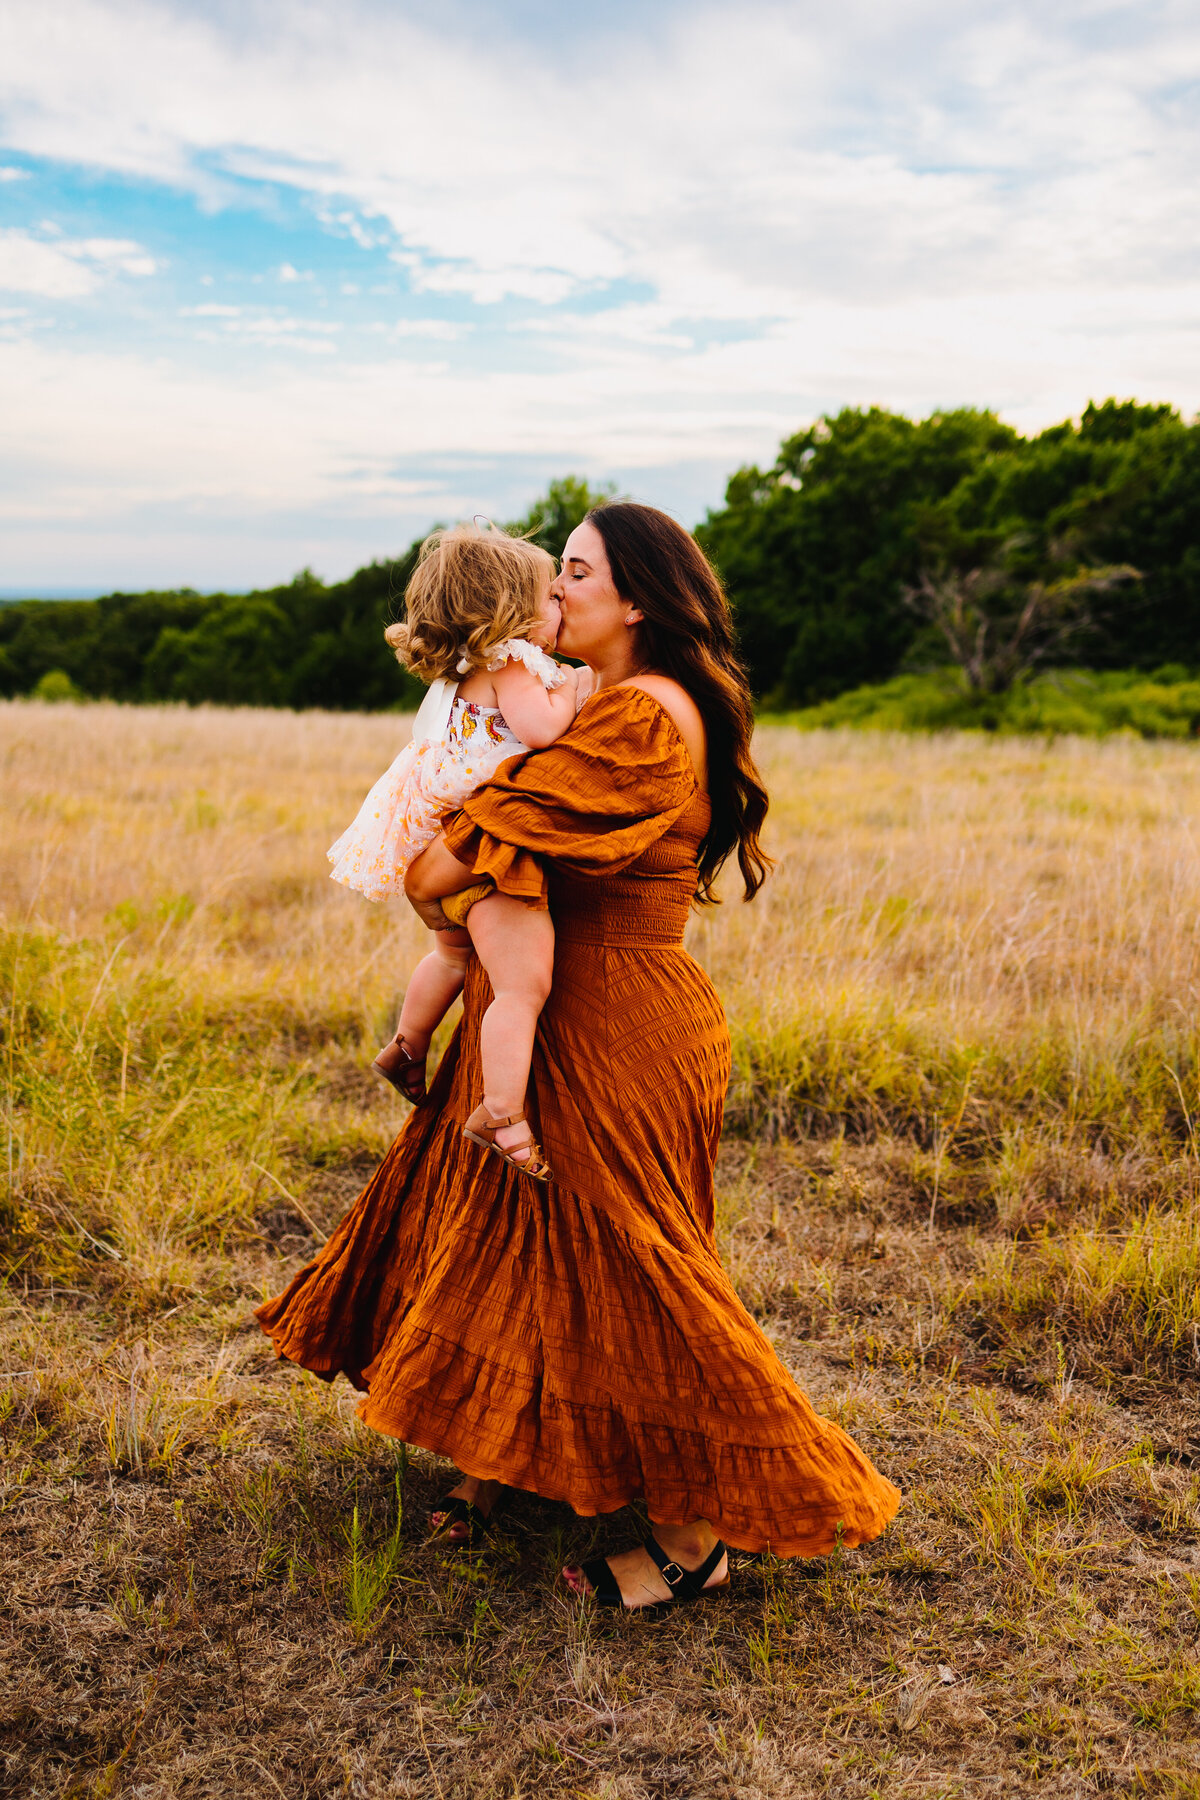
534	1164
406	1072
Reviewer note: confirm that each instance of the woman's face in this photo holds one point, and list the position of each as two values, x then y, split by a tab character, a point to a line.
595	620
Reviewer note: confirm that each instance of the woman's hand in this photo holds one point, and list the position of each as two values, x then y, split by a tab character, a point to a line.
430	913
431	876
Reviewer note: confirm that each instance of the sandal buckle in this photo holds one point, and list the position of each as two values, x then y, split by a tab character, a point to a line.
672	1580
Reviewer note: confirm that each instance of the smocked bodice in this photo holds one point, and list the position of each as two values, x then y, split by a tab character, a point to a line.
647	903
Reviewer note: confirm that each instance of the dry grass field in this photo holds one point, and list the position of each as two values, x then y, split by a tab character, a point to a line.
958	1192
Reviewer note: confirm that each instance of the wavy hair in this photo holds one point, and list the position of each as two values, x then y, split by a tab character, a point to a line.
473	586
687	633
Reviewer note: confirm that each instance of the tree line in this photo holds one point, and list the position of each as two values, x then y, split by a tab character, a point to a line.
305	644
874	545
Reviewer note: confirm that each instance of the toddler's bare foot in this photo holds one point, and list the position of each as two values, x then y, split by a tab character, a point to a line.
516	1139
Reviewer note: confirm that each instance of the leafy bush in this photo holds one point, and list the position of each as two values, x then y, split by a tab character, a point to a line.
1060	702
56	684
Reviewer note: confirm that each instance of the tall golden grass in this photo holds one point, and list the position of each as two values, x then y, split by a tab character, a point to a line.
959	1193
963	889
988	948
972	930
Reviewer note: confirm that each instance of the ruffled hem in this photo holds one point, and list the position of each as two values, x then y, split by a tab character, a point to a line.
596	1460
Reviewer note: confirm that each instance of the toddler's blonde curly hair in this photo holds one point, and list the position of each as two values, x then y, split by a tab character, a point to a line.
473	587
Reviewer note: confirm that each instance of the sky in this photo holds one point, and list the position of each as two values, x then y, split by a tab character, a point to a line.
282	284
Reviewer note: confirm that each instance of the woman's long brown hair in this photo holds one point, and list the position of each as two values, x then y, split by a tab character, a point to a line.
687	633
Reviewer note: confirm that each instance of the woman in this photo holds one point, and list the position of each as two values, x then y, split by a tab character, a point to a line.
583	1341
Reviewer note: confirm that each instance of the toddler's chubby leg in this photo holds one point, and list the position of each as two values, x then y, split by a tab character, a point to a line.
515	944
433	987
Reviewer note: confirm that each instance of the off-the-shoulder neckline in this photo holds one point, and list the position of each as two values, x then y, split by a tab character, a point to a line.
644	694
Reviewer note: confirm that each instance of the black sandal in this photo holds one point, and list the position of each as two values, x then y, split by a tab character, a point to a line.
686	1585
454	1509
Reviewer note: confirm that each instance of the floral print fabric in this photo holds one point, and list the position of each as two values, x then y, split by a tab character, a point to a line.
403	812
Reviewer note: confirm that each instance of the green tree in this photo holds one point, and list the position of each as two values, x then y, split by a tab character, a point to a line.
565	504
38	635
817	550
235	656
1121	488
340	660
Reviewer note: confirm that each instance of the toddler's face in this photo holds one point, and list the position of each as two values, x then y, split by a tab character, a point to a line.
549	616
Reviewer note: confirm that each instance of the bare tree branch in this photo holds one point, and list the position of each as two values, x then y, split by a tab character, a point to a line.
998	627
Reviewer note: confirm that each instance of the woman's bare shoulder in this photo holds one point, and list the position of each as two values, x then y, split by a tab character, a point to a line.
679	706
671	696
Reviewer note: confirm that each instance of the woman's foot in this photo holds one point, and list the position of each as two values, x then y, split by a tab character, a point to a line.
641	1581
482	1495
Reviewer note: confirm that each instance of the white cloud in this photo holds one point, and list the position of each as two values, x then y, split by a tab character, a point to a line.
915	205
445	329
285	436
8	174
736	161
60	268
270	329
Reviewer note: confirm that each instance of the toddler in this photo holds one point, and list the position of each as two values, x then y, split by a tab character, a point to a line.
480	619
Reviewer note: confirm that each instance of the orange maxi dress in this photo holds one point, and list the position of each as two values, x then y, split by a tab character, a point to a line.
581	1340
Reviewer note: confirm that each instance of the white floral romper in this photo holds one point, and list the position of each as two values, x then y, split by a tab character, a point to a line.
456	746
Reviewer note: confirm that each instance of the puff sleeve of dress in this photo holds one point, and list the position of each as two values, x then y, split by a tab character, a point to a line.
592	803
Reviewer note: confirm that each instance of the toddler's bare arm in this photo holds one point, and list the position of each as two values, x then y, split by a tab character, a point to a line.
537	716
